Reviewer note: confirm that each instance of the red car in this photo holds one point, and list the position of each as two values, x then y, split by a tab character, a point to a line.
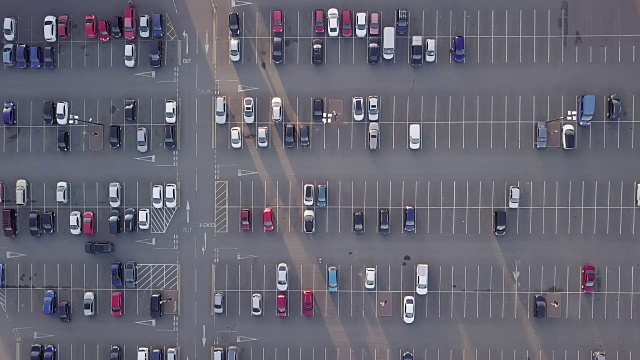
90	26
278	21
307	303
374	24
347	29
319	21
64	23
282	305
104	30
88	225
588	278
268	219
245	219
129	23
117	305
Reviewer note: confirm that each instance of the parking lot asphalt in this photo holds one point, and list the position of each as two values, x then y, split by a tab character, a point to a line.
525	63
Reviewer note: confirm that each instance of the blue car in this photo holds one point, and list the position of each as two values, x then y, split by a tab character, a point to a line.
457	49
1	275
22	56
49	352
332	279
35	54
49	302
9	113
116	274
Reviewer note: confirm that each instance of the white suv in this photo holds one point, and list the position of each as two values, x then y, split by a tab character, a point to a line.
370	278
170	111
62	112
171	196
221	110
156	196
114	194
276	109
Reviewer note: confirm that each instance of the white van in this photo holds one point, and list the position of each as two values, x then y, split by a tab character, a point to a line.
414	136
422	279
143	353
388	42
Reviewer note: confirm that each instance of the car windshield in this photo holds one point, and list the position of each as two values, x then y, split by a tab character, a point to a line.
591	277
459	51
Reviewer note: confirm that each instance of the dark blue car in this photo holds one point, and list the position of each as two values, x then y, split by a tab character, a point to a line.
49	302
457	49
49	352
157	24
9	113
49	57
35	54
22	56
116	274
1	275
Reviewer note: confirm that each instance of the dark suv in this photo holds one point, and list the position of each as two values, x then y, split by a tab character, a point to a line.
402	21
170	136
116	26
383	222
35	225
409	218
318	109
48	112
155	53
130	110
289	135
9	222
114	136
499	222
156	305
358	222
234	24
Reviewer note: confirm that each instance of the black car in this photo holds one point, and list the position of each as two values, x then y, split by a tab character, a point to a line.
156	305
49	112
130	274
22	56
130	110
614	107
129	220
170	136
36	352
116	26
304	135
114	136
416	52
234	24
373	52
49	222
289	136
358	222
499	222
98	247
115	353
318	109
539	306
155	53
35	54
9	54
63	140
317	54
49	57
407	355
278	51
409	218
402	21
64	311
383	221
114	221
35	225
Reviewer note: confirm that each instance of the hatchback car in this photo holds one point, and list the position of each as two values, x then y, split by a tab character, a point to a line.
141	140
383	221
309	221
281	305
332	279
22	56
155	53
104	30
308	194
245	219
170	136
614	106
268	219
49	306
130	55
409	309
409	218
307	303
256	304
278	50
305	139
171	196
289	135
75	223
332	22
117	304
322	196
374	24
514	197
114	194
318	23
145	26
539	306
282	277
346	23
358	222
317	54
129	23
90	26
588	278
249	113
236	137
373	50
116	274
374	136
9	29
541	135
499	222
457	48
218	303
62	112
63	23
430	50
361	24
130	274
277	21
357	106
157	198
234	24
49	57
277	113
49	28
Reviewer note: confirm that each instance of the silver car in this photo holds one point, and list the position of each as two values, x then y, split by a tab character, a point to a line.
221	110
141	140
374	108
130	55
256	304
234	49
218	303
248	113
374	136
263	136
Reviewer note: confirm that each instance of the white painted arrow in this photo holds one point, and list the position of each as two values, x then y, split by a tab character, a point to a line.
11	254
242	88
186	41
188	208
204	247
244	338
151	241
39	335
239	3
206	44
245	256
204	338
149	74
246	172
147	322
150	158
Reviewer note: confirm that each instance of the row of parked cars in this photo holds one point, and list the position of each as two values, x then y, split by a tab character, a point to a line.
48	352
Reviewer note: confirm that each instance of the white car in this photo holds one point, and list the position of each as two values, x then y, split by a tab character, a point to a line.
514	197
361	24
144	219
276	109
249	113
9	29
50	28
568	137
171	196
370	278
332	22
145	26
236	137
638	194
62	112
414	136
221	110
130	55
263	136
282	277
234	49
409	310
170	111
256	304
88	303
357	104
157	198
308	194
62	192
430	50
374	108
114	194
75	223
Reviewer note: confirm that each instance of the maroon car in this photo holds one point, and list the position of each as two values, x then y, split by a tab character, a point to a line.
588	278
129	23
64	23
319	21
347	28
374	24
90	26
245	219
104	30
278	21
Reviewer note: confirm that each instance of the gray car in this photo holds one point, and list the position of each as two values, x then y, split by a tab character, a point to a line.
218	303
541	135
142	143
374	136
130	274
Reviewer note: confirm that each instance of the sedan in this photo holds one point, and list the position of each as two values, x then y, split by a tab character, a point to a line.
268	219
245	219
317	55
236	137
309	220
117	304
144	218
171	196
278	50
370	278
358	222
22	56
281	305
88	303
588	278
318	25
234	49
614	107
156	196
249	112
332	20
104	30
307	303
49	306
129	23
74	223
409	312
346	23
282	277
9	29
374	24
278	21
50	28
357	105
130	55
64	23
90	26
361	24
88	225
